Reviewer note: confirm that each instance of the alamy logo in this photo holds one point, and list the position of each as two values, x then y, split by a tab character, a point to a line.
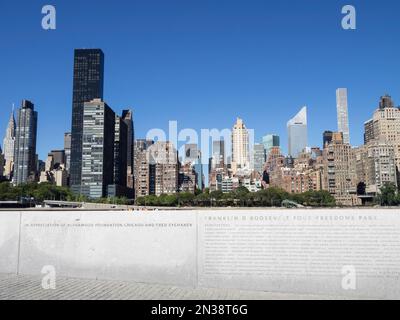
49	20
191	136
349	20
349	280
49	280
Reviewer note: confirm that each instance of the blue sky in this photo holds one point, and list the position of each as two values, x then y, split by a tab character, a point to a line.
203	62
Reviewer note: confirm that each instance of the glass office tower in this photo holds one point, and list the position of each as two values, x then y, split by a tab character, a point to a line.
98	149
87	85
269	141
297	133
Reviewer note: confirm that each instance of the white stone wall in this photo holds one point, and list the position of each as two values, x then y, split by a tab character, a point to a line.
277	250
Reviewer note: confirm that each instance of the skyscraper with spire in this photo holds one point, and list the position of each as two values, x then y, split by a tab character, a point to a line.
1	165
8	146
25	144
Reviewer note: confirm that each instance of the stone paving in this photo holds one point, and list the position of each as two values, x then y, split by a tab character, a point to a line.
13	287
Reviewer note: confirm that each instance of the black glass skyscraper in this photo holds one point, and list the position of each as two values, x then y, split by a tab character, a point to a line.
88	85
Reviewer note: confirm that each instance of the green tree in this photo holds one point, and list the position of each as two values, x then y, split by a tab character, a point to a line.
40	192
168	200
152	200
185	199
241	195
271	197
251	199
320	198
203	200
141	201
215	197
7	192
228	199
388	195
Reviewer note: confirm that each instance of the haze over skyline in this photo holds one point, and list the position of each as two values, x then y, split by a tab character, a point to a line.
203	63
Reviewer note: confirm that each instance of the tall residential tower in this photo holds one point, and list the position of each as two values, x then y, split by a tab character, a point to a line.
343	113
385	126
240	146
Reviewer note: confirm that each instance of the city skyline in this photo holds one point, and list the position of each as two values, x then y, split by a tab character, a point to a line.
283	147
202	150
255	155
253	91
88	82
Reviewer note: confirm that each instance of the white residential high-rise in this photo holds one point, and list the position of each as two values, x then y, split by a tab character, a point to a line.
297	133
8	146
376	164
240	146
343	114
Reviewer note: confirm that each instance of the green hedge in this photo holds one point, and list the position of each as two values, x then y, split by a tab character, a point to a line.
241	197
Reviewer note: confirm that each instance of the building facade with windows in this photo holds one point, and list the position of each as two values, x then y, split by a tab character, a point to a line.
98	137
88	77
25	164
297	133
